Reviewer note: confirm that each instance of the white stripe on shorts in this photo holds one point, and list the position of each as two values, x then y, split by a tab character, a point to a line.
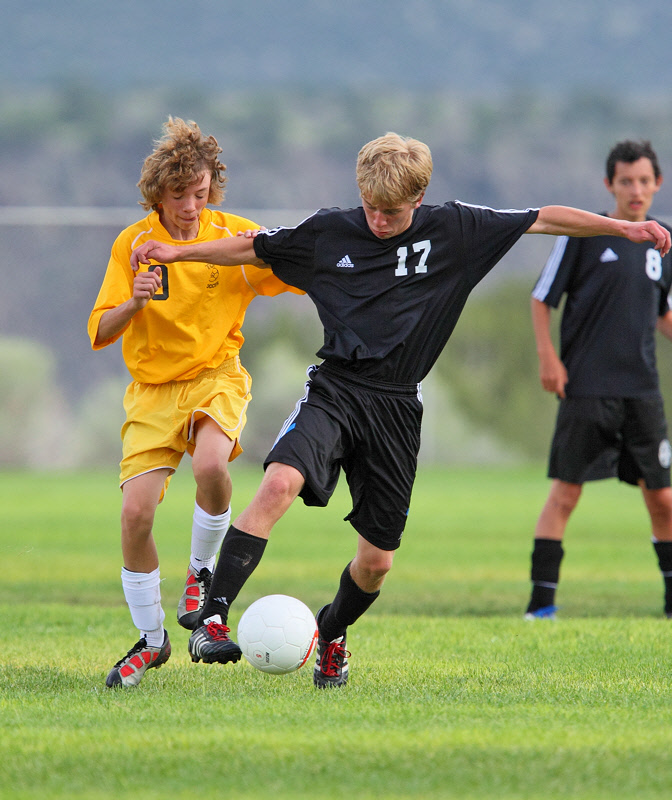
295	413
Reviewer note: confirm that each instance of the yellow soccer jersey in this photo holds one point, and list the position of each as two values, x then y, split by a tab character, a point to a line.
194	322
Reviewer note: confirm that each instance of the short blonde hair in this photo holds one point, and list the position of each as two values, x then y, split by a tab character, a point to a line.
393	169
179	158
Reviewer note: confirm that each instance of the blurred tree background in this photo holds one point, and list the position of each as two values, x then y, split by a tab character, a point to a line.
519	109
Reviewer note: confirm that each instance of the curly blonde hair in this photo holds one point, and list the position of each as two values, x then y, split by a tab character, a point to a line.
179	157
393	169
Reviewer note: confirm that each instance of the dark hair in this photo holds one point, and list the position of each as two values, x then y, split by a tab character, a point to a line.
629	152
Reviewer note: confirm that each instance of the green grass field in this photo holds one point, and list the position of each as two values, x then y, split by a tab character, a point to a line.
451	695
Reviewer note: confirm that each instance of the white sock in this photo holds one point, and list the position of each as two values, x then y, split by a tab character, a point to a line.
207	532
142	591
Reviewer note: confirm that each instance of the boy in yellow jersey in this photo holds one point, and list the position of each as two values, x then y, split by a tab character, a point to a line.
180	326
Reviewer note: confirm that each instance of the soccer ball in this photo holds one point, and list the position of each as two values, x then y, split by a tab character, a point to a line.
277	634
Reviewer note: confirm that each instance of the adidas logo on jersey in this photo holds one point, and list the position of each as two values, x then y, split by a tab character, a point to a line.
346	263
608	255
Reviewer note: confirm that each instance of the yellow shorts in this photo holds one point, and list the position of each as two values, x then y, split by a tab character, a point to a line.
160	417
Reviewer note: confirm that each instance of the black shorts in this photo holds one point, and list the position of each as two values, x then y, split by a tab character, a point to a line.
372	431
611	437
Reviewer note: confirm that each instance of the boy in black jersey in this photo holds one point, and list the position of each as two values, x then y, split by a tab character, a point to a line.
611	421
389	280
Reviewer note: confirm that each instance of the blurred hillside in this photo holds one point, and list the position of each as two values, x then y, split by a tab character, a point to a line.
466	46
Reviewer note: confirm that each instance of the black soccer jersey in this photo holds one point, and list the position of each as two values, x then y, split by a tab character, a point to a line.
616	289
388	306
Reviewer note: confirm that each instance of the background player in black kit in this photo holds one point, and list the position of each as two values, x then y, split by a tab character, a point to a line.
611	421
389	280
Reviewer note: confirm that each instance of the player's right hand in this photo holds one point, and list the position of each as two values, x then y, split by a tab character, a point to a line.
251	233
146	285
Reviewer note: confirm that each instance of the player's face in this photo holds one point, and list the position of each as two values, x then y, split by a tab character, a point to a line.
181	210
633	187
388	222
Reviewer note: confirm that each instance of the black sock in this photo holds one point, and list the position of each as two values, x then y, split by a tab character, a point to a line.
348	605
545	574
237	560
664	553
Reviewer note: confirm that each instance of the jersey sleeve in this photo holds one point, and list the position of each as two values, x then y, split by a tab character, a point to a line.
554	278
488	234
117	287
290	252
264	282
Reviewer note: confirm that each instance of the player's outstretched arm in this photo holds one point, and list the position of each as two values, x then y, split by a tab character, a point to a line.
227	252
567	221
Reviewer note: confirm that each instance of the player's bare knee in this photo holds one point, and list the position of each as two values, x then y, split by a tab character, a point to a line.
374	567
137	517
210	469
278	489
379	571
660	509
566	507
565	497
658	502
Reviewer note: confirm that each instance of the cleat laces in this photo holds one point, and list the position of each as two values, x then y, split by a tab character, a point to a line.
205	577
332	659
137	647
218	631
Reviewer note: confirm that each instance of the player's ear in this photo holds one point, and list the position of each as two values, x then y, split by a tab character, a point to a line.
607	183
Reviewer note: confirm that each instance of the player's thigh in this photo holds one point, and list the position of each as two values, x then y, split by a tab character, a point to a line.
212	447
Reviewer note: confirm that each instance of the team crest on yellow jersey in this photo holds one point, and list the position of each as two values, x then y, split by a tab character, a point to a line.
213	279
